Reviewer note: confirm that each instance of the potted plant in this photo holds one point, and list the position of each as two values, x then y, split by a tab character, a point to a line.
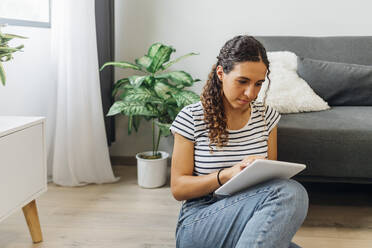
157	95
6	51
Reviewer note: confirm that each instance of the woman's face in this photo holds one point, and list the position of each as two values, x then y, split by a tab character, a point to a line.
242	84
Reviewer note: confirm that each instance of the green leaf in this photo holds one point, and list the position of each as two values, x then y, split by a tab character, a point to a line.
131	108
130	124
152	109
123	88
118	85
127	89
140	94
154	48
162	56
7	56
2	74
146	63
164	67
7	37
185	97
121	81
6	50
172	112
121	64
180	86
20	47
149	81
116	108
171	101
136	122
9	49
164	89
136	81
178	77
164	127
11	36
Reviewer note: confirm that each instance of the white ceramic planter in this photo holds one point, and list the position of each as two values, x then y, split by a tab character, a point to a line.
152	173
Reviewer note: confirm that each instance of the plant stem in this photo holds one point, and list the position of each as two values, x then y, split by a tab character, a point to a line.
153	137
157	144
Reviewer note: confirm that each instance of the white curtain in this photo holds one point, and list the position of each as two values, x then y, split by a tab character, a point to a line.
80	153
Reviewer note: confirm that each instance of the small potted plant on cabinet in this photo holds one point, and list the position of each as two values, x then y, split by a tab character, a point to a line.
6	52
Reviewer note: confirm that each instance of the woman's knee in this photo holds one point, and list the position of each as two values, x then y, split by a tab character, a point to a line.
292	194
287	187
296	194
287	192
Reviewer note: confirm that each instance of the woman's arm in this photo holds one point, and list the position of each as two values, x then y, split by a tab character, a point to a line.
272	148
186	186
183	184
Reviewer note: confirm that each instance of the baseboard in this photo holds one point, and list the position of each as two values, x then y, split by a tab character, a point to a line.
123	160
127	160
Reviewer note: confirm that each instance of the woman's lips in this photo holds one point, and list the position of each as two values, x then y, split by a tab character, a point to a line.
243	101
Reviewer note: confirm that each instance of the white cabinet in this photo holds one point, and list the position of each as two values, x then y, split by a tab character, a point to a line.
23	175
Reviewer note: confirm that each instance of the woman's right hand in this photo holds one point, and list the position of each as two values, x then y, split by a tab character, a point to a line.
235	169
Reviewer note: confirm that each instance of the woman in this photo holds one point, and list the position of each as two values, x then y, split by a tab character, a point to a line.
216	138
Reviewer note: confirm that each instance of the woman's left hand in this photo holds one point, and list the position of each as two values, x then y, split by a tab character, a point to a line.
249	159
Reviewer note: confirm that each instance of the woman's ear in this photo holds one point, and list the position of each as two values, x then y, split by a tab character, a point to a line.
219	72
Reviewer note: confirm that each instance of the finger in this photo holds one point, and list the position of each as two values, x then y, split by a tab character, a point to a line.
249	162
247	159
242	163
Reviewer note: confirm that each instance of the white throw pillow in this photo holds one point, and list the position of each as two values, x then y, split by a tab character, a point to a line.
288	93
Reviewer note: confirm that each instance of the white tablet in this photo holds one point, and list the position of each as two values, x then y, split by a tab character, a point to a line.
258	171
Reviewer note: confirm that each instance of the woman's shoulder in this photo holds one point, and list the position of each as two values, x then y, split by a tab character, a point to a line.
193	109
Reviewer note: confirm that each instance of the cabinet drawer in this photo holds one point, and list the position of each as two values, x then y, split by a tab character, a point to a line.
22	168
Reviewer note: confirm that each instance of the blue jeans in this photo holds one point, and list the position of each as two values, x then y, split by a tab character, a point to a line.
265	215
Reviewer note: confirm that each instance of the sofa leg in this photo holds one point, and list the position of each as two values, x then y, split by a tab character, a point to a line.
32	219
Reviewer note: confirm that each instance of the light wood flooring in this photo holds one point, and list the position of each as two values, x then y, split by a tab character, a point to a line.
125	215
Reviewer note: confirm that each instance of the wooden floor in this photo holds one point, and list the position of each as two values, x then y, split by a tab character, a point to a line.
125	215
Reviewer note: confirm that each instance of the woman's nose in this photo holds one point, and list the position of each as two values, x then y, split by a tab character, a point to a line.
249	93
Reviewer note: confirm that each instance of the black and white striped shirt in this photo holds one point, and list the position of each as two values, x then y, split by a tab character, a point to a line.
249	140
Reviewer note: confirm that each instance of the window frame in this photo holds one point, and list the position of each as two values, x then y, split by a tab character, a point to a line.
28	23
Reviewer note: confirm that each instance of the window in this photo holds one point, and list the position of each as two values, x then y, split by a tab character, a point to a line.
34	13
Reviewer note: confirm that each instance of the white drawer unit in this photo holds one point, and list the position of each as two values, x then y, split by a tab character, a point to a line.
23	175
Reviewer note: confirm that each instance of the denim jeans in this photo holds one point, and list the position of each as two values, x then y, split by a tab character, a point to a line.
265	215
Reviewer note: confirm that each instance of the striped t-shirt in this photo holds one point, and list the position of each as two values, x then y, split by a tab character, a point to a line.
249	140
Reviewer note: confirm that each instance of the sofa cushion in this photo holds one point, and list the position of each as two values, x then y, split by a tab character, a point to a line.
338	83
288	93
335	142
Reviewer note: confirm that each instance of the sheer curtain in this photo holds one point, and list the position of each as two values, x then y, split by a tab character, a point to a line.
80	153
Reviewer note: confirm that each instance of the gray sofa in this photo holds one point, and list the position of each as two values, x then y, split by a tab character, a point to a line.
336	144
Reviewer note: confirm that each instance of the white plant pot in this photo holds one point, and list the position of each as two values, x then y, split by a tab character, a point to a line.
152	173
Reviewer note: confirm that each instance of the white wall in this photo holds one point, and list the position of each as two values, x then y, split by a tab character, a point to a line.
204	26
30	88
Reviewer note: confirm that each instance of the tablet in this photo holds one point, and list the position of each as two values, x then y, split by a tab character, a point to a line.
258	171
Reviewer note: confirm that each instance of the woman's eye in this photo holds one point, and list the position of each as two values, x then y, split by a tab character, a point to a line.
242	81
258	84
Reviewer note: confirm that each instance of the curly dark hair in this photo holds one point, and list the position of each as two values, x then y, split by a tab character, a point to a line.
241	48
